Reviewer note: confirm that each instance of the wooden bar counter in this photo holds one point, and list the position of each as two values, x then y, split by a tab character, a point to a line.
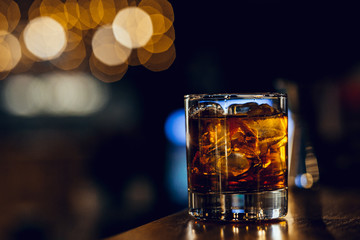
313	214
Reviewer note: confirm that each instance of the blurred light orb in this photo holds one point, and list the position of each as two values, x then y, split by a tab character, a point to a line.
132	27
74	94
58	94
102	11
105	72
18	93
161	23
175	127
5	56
71	59
157	62
176	174
304	180
4	25
45	38
10	10
107	49
10	51
139	194
72	14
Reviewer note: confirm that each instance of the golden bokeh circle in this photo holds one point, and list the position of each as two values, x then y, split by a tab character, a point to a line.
45	38
10	50
157	62
71	59
163	6
143	31
11	11
132	27
107	49
106	73
4	25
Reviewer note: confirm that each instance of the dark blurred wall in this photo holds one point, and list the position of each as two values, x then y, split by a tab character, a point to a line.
237	46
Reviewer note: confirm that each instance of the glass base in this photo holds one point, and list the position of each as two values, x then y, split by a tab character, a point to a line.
239	206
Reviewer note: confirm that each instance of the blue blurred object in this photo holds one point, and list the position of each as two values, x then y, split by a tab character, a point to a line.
176	157
175	127
176	174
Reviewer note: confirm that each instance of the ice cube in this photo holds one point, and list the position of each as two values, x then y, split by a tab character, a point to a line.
214	140
244	139
206	109
254	132
241	109
271	131
252	109
262	110
235	164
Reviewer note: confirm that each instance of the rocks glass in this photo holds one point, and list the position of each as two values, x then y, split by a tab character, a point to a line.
237	156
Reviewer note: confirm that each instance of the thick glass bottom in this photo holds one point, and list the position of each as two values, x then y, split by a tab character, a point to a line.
239	206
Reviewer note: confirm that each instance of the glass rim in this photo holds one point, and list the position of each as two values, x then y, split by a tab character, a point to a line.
213	96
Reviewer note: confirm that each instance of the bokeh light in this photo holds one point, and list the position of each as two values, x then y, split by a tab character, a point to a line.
10	10
5	56
74	38
157	61
107	49
10	51
97	10
132	27
175	127
162	6
70	60
103	11
25	51
176	174
25	63
17	94
106	73
34	10
161	43
139	194
55	10
86	20
60	94
45	38
304	180
161	24
74	94
106	36
176	166
4	25
71	9
133	59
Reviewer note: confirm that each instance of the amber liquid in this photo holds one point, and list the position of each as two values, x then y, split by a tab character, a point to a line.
234	154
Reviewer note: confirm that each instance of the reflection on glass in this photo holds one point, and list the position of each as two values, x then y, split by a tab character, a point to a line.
248	230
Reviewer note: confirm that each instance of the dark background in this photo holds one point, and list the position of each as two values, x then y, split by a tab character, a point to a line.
70	176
